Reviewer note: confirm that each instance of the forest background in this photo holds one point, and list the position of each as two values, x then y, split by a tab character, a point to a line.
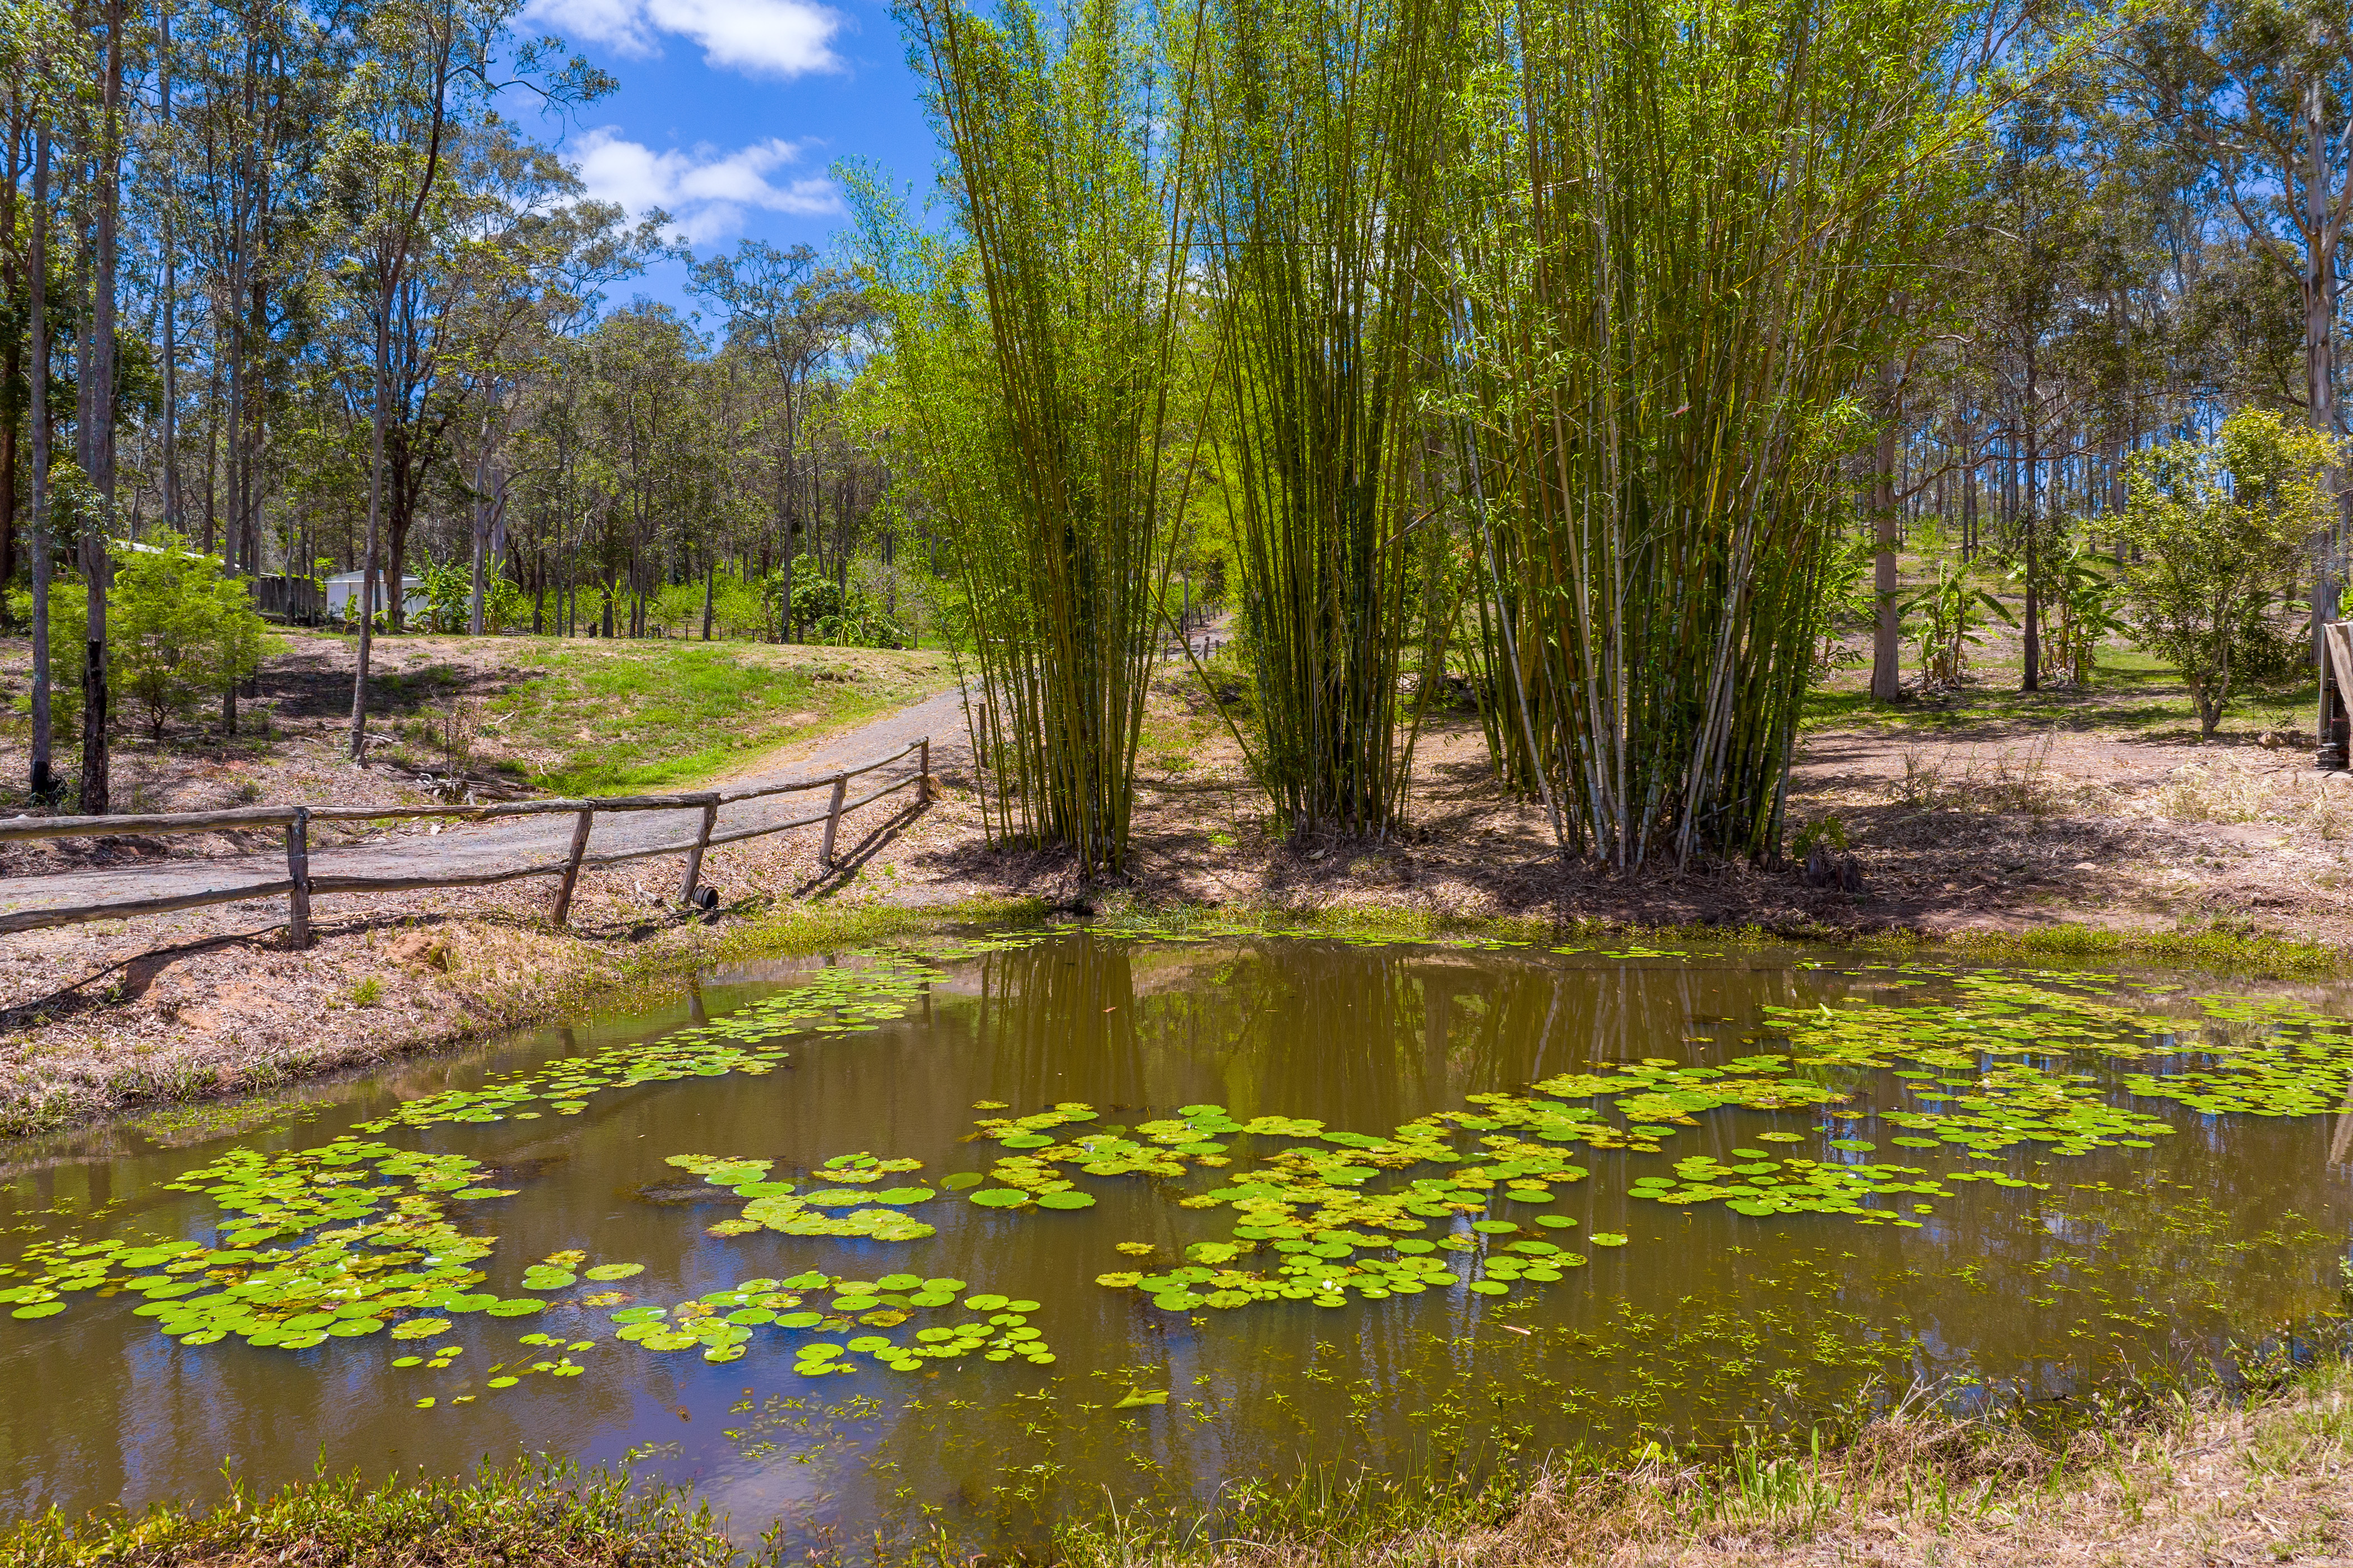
1602	363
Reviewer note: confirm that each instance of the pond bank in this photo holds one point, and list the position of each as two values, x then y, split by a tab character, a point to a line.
2185	1480
98	1019
2175	1482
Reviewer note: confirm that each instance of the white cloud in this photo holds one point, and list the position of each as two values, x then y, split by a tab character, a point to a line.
759	37
705	189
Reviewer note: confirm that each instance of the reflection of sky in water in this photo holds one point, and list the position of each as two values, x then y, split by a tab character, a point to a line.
1708	1320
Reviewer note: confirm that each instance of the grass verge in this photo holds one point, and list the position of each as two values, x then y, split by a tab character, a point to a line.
2212	949
503	970
607	718
2149	1478
529	1513
2153	1478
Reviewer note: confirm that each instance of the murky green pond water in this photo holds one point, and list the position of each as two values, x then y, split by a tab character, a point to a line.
1011	1226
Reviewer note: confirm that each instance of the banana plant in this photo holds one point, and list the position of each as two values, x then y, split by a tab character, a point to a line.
1944	617
2083	599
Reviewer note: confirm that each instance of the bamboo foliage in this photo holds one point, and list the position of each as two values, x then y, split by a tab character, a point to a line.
1686	227
1070	202
1317	220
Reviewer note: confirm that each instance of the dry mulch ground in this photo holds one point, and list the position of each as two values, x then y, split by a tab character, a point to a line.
1996	825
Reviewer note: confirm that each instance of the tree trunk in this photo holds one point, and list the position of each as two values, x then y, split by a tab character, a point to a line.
710	573
44	781
482	539
1886	639
2320	369
376	510
96	560
2032	631
171	285
396	587
212	458
11	365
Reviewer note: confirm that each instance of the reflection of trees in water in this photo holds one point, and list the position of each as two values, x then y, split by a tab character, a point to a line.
1362	1037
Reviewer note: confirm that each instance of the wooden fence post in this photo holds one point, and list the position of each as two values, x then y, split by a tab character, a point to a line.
694	855
572	866
298	872
833	821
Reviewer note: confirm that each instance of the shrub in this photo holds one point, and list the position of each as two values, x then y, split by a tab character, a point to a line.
827	612
180	630
68	617
2219	523
448	598
1943	618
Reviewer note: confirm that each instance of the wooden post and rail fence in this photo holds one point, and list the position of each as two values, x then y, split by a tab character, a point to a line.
300	884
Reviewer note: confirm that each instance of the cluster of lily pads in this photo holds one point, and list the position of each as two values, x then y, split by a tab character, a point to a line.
720	1323
2291	1062
776	1205
384	1251
356	1236
833	1001
1763	1185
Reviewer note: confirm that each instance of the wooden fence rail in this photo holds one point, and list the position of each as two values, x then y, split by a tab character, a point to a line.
300	883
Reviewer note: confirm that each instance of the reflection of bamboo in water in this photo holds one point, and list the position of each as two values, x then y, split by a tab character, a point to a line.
1074	995
2342	1146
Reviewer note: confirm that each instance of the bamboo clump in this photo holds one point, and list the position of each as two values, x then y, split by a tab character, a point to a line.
1689	228
1318	215
1550	324
1060	322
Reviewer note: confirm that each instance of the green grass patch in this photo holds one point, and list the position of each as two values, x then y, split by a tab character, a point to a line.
2254	954
2132	692
526	1511
604	718
2215	950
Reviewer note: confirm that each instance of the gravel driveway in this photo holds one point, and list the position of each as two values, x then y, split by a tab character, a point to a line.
509	844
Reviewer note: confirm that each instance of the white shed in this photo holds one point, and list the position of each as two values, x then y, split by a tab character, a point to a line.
344	586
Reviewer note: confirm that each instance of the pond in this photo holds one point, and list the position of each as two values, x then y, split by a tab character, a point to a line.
972	1234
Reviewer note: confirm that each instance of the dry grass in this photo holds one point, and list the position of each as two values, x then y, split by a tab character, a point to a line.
2233	791
2195	1482
2013	781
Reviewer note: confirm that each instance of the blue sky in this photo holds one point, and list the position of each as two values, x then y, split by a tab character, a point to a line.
731	112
